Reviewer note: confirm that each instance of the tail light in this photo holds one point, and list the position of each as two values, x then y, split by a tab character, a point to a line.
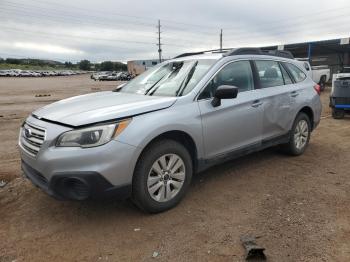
317	89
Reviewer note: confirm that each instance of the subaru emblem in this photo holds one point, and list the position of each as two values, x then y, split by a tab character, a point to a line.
27	132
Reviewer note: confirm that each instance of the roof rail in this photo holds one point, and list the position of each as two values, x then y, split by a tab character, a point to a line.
203	52
189	54
244	51
280	53
258	51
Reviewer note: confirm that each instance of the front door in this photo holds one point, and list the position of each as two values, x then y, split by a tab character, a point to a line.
236	123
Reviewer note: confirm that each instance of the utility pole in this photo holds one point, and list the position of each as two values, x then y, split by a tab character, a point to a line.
159	44
221	40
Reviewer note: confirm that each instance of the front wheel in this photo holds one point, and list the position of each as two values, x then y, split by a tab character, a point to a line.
300	135
162	176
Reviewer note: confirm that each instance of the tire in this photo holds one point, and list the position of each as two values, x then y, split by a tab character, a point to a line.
298	135
150	189
338	113
322	83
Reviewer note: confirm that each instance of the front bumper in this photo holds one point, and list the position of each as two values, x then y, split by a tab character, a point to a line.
76	185
61	172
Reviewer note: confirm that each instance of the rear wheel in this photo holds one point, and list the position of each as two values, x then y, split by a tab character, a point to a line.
338	113
300	135
162	176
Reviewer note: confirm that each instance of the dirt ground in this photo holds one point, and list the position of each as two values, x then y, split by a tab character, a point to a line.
298	207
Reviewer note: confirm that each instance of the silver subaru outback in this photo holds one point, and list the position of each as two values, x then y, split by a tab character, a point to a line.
146	139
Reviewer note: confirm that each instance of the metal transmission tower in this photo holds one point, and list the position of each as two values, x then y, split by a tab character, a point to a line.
221	40
159	43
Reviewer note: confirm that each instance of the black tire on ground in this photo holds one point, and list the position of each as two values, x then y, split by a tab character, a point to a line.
338	113
323	83
291	147
140	195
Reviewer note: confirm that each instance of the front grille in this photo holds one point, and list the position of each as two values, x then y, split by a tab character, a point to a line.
31	138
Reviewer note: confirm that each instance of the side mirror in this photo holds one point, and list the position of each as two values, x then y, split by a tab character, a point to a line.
224	92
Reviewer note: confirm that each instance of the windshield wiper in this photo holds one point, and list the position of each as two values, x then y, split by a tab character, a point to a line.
168	76
149	89
187	79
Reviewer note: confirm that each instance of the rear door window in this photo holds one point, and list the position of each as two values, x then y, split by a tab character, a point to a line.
297	73
269	73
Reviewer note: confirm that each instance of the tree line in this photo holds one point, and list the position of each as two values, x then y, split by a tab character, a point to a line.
82	65
104	66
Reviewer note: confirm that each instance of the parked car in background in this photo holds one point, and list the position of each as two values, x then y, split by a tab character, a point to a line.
111	76
104	76
35	74
32	73
25	73
125	76
148	138
4	73
320	74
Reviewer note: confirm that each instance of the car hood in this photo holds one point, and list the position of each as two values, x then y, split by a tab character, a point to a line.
101	106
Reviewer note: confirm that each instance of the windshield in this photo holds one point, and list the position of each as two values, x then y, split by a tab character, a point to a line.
171	79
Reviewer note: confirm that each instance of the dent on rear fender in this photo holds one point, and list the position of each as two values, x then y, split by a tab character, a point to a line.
278	113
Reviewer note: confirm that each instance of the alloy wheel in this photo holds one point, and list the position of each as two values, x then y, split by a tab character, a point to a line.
166	177
301	134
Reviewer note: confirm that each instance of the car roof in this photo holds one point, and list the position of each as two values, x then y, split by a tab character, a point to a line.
214	56
236	52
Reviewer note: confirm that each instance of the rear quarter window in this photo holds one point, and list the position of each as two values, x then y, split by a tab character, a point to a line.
297	73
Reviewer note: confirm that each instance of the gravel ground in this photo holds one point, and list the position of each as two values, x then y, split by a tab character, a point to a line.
298	207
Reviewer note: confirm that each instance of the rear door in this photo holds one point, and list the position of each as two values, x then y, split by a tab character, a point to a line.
276	87
236	123
300	89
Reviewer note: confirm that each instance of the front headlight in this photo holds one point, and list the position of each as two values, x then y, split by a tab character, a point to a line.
92	136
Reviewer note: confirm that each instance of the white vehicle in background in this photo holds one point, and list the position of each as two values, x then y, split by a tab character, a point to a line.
4	73
35	74
94	75
320	74
103	75
8	73
24	73
115	76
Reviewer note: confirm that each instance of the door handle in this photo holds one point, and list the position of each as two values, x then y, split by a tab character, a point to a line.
294	94
257	103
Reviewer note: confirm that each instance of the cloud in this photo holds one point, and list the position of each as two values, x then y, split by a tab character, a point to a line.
47	48
118	30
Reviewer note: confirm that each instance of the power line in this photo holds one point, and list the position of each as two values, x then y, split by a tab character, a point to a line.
188	24
197	32
80	8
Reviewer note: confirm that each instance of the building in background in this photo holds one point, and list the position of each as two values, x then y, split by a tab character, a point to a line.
333	53
137	67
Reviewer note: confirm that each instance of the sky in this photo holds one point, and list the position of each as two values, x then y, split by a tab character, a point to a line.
72	30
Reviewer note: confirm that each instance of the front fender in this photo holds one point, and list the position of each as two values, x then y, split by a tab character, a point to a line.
180	117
